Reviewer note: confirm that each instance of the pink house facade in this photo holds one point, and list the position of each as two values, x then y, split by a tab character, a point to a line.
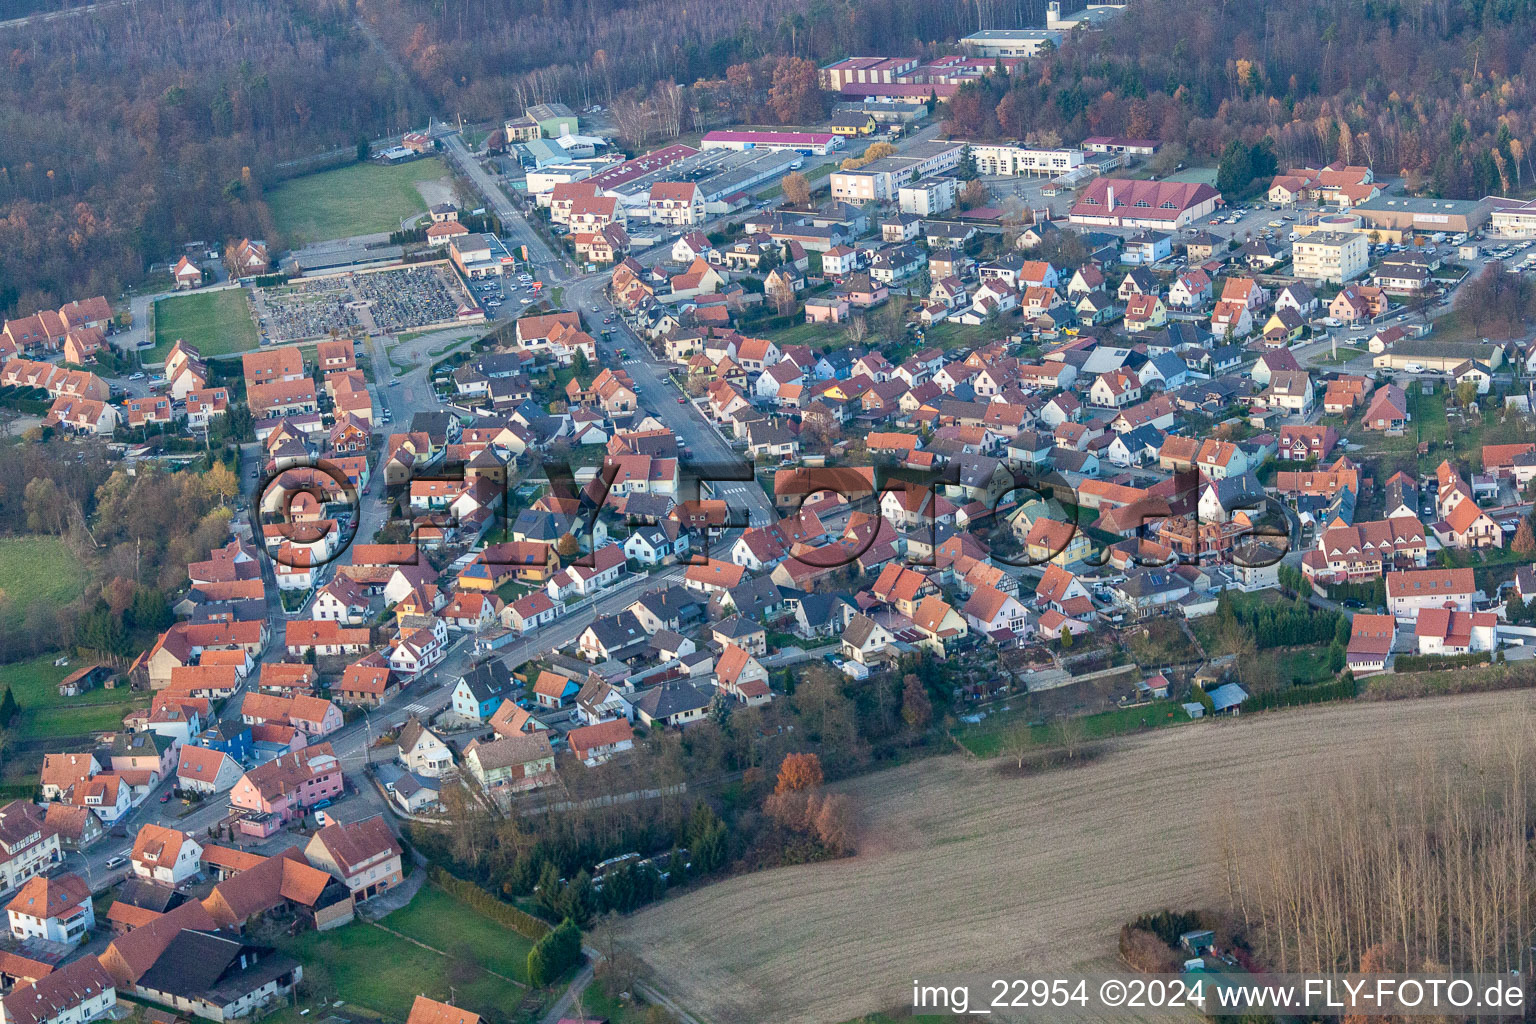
283	789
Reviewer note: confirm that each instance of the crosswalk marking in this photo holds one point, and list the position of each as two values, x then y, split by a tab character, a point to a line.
416	709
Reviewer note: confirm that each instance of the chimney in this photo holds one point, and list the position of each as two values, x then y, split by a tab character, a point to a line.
1111	198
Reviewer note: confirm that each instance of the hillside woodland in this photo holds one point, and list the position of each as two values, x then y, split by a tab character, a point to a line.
1438	91
127	132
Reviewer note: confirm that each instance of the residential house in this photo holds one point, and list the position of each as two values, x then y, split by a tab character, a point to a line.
362	854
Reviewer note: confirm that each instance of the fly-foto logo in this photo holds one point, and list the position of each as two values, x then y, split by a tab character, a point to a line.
309	513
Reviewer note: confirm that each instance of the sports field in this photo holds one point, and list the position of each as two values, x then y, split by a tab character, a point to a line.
359	199
963	868
218	323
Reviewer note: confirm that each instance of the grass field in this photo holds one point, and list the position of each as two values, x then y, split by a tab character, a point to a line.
962	868
218	323
369	967
44	713
442	922
34	569
989	738
359	199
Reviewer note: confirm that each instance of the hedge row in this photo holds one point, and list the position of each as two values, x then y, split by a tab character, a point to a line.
1485	679
500	911
1294	696
1437	662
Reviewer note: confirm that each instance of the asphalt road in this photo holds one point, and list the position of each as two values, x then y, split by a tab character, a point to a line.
515	230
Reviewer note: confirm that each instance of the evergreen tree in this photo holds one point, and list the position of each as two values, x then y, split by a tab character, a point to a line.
538	968
8	708
619	890
720	708
579	900
547	896
710	849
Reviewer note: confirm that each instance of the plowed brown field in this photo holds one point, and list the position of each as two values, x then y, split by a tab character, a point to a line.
961	869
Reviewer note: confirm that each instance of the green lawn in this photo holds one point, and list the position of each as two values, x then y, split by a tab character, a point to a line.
34	569
806	334
442	922
1344	355
218	323
359	199
44	713
370	968
597	1003
1303	665
946	335
989	738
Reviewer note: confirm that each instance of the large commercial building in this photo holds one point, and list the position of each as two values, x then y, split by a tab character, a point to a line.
880	180
1390	217
1088	17
1512	218
1335	256
1128	203
812	143
865	71
1012	42
1119	144
1013	161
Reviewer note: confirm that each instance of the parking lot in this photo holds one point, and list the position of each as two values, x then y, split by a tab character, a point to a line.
509	295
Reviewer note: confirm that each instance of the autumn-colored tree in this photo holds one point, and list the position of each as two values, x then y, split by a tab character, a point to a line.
1525	539
221	482
874	151
973	195
119	593
798	773
834	823
797	190
916	708
795	95
1377	959
1145	952
567	546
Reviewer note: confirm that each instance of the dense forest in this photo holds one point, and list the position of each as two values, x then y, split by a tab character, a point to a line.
127	132
484	56
1440	91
